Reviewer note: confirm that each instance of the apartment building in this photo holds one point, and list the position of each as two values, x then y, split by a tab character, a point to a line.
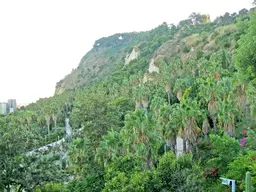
3	108
8	107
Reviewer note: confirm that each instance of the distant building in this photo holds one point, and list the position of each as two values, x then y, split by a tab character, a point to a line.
3	108
8	107
12	105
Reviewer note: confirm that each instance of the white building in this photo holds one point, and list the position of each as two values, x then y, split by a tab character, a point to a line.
3	108
12	105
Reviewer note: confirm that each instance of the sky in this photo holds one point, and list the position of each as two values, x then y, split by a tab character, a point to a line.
41	41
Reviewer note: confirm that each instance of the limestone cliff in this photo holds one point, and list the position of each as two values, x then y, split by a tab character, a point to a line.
132	56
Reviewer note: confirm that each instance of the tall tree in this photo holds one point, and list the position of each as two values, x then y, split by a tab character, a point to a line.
18	168
141	136
209	93
244	56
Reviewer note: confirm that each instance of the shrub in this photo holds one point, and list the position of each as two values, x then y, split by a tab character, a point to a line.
179	174
186	49
224	150
238	168
52	187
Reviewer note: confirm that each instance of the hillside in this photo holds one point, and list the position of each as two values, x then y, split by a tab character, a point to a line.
110	53
187	39
170	109
99	62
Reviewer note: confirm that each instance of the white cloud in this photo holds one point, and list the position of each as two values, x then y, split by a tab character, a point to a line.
41	41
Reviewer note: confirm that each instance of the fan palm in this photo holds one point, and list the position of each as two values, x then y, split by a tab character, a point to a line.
209	93
109	147
141	136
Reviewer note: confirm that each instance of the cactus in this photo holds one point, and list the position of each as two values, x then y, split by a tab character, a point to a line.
248	183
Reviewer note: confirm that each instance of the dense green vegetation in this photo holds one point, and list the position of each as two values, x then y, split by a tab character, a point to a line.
125	128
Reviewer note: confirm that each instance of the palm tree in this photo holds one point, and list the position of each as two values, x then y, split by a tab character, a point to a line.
55	110
206	127
126	88
226	115
156	104
48	121
22	118
169	131
226	105
47	116
209	92
29	117
167	78
114	89
141	136
191	68
178	122
244	94
138	96
135	80
109	148
190	111
181	84
145	92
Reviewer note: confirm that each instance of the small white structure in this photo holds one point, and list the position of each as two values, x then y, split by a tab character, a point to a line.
3	108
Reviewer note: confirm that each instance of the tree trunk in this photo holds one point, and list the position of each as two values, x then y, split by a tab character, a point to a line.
138	105
149	163
214	120
165	148
179	95
48	129
184	146
169	97
247	111
55	124
8	189
173	145
190	145
54	118
169	143
197	150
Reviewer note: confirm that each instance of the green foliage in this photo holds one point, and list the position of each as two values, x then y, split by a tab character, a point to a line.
224	150
251	139
125	174
217	187
52	187
18	167
179	175
186	49
141	136
245	57
238	168
116	148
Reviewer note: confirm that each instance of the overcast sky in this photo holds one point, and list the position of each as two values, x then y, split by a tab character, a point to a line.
41	41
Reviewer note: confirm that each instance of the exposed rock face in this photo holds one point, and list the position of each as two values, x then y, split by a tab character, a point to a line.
132	56
145	78
99	62
152	68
